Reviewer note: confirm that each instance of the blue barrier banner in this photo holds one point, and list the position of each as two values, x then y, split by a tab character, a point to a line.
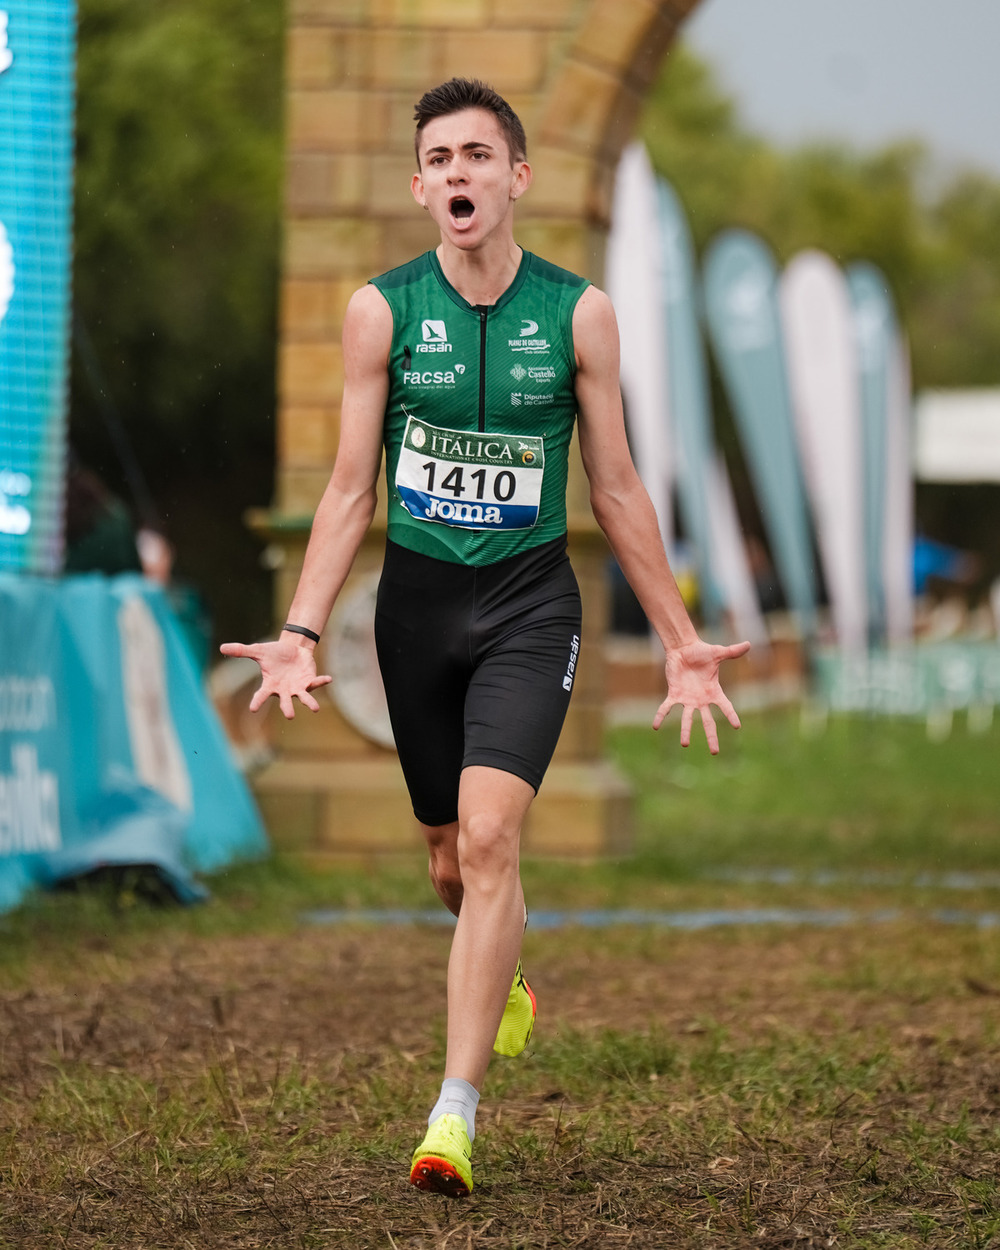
741	306
110	752
918	680
37	91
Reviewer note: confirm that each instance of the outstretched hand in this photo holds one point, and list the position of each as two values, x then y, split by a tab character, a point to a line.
288	671
693	684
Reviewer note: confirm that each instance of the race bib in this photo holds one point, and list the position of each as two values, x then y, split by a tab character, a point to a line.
476	481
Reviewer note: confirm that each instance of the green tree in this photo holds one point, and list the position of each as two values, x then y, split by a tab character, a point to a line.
696	140
956	302
175	276
937	248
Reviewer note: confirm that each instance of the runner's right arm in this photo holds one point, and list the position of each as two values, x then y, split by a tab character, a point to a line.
288	668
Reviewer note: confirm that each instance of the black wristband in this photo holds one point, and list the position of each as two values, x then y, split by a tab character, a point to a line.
301	629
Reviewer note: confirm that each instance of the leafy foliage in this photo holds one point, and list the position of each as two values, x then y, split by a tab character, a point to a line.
178	167
932	236
935	248
175	277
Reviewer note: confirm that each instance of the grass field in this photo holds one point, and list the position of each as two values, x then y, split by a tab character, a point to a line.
233	1075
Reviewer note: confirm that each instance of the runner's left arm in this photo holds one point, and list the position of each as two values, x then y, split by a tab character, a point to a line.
624	512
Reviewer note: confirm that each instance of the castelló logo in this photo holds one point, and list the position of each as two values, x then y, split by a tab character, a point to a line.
518	372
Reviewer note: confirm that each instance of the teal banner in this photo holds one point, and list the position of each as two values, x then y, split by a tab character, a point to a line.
741	306
37	90
912	681
876	333
690	405
110	753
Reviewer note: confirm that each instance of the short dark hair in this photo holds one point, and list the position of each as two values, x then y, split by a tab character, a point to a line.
458	94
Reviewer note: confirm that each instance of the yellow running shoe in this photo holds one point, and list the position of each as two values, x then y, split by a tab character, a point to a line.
518	1017
442	1163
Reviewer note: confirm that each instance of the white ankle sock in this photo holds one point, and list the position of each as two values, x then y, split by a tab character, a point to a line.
457	1097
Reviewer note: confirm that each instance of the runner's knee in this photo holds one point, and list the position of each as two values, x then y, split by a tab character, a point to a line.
487	842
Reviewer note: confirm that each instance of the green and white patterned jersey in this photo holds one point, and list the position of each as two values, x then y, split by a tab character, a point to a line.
480	411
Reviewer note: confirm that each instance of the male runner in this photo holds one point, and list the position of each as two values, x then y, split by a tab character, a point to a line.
469	366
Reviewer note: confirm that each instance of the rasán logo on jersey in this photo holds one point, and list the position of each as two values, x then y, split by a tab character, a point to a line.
435	336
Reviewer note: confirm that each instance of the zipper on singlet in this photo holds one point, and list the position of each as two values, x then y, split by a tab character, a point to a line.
483	310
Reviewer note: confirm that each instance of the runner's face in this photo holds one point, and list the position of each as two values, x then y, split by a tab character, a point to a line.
466	180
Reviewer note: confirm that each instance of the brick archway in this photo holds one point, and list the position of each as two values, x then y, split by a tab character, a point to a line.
576	71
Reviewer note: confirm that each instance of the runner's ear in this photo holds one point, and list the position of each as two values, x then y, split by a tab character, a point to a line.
521	176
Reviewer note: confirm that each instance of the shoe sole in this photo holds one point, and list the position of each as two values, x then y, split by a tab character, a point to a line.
437	1176
534	1003
534	1013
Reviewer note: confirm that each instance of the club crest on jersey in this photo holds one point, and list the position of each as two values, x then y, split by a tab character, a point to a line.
527	340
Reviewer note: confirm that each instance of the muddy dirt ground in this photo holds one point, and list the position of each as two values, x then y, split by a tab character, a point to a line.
343	1029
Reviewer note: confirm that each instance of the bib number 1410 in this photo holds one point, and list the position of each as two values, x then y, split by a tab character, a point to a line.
503	485
476	481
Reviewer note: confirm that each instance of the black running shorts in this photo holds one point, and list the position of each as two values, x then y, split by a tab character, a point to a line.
478	666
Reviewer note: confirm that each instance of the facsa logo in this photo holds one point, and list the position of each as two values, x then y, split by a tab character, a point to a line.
428	377
435	336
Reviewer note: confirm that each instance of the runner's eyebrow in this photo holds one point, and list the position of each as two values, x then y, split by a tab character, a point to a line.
465	147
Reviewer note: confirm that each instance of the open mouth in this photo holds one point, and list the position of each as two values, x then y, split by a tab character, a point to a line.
461	208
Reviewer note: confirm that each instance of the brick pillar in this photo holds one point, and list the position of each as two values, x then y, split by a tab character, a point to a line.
576	72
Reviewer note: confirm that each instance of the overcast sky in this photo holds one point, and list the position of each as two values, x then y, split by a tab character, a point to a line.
868	71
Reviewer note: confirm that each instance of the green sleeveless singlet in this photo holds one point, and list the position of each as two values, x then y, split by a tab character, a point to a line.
480	411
